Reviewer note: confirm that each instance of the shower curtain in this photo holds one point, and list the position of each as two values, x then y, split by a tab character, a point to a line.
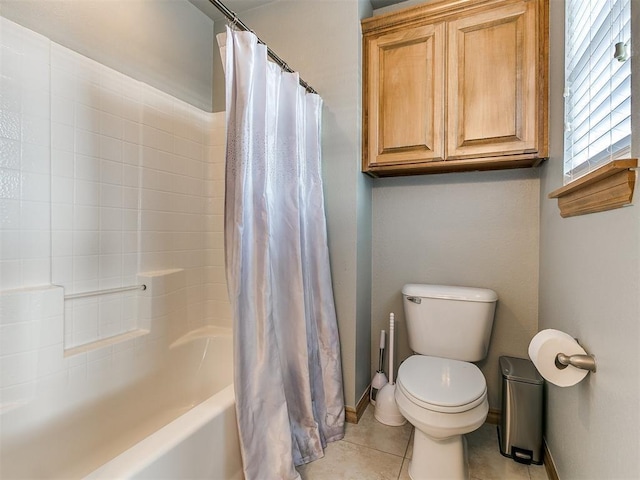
288	377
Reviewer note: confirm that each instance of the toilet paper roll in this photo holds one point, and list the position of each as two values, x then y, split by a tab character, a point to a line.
544	348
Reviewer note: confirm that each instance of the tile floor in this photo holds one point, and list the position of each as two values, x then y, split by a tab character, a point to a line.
373	451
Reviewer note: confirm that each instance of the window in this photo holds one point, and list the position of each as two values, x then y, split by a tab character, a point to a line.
597	85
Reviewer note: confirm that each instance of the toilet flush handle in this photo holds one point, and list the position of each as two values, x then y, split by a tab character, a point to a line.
417	300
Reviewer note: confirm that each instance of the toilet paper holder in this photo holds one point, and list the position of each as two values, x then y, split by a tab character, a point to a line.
583	362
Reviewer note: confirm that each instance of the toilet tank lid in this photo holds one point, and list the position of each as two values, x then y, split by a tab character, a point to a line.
468	294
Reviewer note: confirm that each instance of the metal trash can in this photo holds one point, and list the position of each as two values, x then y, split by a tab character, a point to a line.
520	429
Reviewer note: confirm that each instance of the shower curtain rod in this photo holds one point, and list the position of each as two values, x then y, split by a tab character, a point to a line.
233	18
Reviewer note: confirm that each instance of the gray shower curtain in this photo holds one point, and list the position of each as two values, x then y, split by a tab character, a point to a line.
288	377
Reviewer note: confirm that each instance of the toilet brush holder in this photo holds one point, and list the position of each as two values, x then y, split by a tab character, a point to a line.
386	408
379	381
386	411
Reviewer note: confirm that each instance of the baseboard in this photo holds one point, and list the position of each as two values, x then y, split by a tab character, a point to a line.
549	464
493	417
353	415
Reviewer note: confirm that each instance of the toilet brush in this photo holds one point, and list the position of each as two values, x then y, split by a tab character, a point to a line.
379	379
386	408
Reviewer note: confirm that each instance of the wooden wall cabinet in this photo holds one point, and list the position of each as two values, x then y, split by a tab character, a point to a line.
456	85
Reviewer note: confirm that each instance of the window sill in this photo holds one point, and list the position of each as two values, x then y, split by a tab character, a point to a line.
608	187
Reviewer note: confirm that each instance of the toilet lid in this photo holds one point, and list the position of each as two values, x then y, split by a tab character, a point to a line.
442	384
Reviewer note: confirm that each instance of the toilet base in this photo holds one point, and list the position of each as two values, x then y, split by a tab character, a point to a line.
439	459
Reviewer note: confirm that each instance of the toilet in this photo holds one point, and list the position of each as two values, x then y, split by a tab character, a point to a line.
438	390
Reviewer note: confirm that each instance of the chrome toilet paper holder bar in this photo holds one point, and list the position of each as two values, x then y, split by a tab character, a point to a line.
583	362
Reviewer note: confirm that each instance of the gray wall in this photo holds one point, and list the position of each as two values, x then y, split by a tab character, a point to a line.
165	43
590	288
473	229
321	40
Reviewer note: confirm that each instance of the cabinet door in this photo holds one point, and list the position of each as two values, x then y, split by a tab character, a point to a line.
492	97
404	96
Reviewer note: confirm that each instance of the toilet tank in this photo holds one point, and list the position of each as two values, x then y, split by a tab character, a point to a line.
449	322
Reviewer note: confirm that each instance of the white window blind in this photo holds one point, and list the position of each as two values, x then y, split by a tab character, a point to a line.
597	86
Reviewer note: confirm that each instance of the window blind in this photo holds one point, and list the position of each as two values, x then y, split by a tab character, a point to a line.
597	86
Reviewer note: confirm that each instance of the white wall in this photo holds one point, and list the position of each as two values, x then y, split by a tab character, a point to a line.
165	43
127	162
136	195
321	40
590	288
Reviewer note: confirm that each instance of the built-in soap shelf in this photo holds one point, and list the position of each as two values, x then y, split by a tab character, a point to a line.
143	309
33	323
105	342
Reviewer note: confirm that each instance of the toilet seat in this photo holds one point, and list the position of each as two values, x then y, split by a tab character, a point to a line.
441	384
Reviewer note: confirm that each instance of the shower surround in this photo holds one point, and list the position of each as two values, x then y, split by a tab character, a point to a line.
104	182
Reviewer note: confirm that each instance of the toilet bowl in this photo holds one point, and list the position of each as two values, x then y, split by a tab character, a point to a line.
438	390
443	399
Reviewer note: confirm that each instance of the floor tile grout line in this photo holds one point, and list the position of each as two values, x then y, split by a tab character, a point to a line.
406	449
401	467
372	448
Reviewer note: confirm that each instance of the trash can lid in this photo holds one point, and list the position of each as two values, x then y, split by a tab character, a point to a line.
520	370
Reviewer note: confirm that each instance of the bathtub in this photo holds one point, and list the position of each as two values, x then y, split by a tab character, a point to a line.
176	420
201	443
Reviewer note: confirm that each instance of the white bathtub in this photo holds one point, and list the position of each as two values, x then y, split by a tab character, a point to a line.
174	418
202	443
